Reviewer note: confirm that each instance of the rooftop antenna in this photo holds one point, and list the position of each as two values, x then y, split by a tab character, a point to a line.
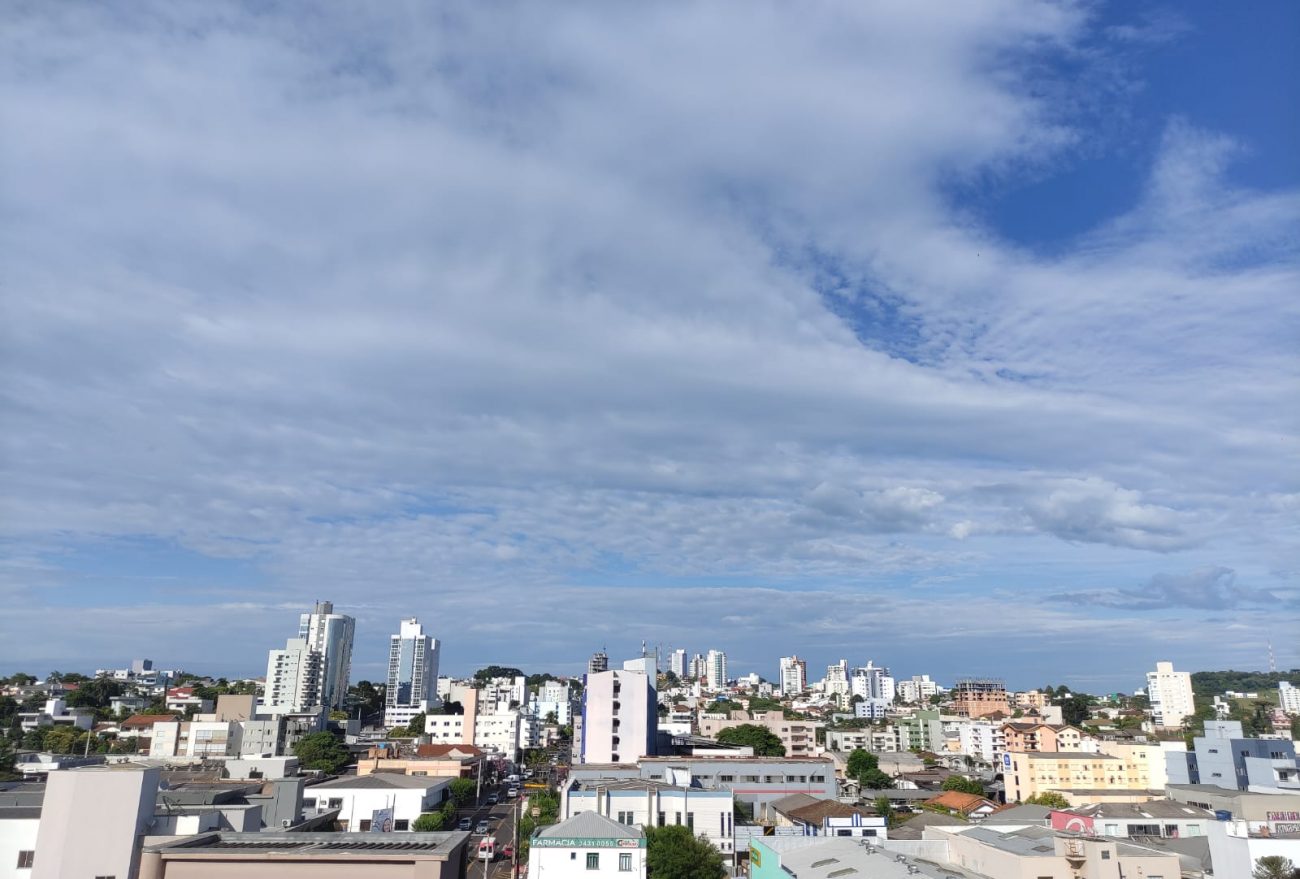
1272	662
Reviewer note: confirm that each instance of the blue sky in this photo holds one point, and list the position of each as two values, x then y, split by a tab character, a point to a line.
962	339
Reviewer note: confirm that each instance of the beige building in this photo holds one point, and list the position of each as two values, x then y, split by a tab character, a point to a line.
1082	777
980	697
306	856
1022	737
1041	853
92	821
1170	694
798	736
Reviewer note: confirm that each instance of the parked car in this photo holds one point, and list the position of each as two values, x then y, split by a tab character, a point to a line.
465	824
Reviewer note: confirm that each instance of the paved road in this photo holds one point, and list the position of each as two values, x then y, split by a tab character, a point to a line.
501	823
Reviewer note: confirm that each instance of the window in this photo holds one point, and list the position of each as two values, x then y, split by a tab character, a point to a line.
690	820
679	818
309	802
402	824
625	862
365	825
26	859
844	831
1105	855
726	778
336	803
661	820
593	860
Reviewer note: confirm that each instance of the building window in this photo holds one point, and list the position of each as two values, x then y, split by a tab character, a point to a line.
593	860
679	818
844	831
726	778
625	862
690	821
402	824
1105	855
336	803
26	859
365	825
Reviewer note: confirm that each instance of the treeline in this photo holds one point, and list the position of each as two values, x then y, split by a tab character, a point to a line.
1213	683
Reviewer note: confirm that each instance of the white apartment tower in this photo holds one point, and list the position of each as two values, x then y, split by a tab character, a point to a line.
1288	697
794	675
412	674
715	670
619	717
677	664
599	662
330	634
293	678
1170	693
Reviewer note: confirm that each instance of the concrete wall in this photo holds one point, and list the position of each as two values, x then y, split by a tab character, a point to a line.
91	821
16	835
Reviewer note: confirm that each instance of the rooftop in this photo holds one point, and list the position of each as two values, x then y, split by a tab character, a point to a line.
315	844
589	825
1150	809
382	781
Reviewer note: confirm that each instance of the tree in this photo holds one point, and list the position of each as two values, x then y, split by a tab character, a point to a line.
428	822
7	757
674	852
1274	867
865	767
366	696
764	742
60	740
462	790
1050	798
321	751
965	785
484	675
885	809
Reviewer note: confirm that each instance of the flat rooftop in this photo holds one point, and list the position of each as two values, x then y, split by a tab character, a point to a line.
309	844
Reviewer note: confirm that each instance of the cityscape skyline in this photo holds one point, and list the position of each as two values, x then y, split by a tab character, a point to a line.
981	347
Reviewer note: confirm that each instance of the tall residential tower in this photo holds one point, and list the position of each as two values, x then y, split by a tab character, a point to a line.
412	674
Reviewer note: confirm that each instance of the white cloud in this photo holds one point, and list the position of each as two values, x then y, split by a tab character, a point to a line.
381	298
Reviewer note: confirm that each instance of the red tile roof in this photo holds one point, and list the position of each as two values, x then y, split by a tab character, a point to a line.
146	721
958	801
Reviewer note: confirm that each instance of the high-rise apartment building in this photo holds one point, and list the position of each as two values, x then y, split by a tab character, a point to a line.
412	674
330	634
619	717
918	689
599	662
794	675
875	686
293	677
715	670
677	664
836	682
1170	695
1288	697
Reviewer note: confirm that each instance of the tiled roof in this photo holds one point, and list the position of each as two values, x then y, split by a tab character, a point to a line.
381	781
959	801
447	751
141	721
816	813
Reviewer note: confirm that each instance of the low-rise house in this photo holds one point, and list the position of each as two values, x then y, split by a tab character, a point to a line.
972	807
55	712
358	799
588	845
823	817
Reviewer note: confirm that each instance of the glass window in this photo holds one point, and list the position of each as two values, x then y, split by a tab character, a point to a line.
26	859
593	860
625	862
402	824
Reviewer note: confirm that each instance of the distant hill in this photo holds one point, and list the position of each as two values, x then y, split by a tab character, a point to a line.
1212	683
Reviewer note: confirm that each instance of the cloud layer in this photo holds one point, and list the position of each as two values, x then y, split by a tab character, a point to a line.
399	307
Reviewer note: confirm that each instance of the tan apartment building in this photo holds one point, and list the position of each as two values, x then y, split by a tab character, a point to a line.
798	736
1022	737
1081	777
980	697
223	855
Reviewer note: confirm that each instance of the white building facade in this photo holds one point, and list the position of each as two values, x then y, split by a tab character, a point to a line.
794	675
1170	694
715	670
619	717
412	674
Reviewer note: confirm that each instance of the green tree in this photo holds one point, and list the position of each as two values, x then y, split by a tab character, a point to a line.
965	785
673	852
428	822
462	790
7	756
496	671
366	696
885	809
1274	867
321	751
764	742
865	767
60	740
1050	798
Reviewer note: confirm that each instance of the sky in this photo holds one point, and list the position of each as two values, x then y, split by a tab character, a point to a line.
963	338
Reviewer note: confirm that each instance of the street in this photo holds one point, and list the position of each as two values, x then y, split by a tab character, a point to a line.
501	825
